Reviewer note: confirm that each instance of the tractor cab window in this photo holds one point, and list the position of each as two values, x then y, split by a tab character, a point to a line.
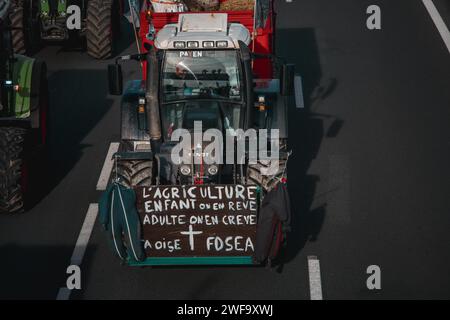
210	74
205	112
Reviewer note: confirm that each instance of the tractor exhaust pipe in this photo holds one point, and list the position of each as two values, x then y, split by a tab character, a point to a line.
151	95
246	57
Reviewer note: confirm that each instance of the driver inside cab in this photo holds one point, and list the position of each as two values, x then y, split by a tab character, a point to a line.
181	70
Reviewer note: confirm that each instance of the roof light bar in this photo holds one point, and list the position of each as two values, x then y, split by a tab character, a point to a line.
179	45
208	44
192	44
221	44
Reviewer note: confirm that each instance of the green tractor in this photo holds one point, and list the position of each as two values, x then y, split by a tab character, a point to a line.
34	21
23	116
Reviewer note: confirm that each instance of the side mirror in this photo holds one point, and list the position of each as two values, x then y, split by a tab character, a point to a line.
115	81
287	79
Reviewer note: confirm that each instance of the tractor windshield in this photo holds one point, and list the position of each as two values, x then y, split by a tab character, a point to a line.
212	74
211	114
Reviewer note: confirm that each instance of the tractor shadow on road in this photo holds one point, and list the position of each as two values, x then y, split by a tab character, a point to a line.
299	46
306	222
78	101
307	130
33	272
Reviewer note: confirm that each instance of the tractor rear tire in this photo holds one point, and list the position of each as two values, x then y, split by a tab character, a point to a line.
12	144
133	173
101	27
17	24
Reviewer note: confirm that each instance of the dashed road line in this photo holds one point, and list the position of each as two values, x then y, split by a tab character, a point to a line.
89	220
81	245
315	282
85	234
107	167
63	294
438	21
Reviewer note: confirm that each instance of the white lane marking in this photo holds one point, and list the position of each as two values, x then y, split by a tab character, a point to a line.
85	234
438	21
107	167
315	283
81	245
298	89
63	294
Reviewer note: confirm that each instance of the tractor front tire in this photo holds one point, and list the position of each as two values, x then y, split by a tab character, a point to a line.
12	180
133	173
100	28
17	27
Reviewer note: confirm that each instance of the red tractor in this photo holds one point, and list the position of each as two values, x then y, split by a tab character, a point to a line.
216	68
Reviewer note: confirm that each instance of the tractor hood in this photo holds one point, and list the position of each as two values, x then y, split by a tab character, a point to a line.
202	30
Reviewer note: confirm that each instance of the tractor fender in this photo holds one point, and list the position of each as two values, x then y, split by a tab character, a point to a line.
22	76
28	74
133	123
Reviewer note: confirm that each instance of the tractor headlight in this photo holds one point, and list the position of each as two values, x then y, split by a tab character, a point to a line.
212	170
192	44
221	44
179	45
185	170
208	44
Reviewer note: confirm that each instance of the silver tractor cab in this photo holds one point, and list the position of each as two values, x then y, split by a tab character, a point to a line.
199	69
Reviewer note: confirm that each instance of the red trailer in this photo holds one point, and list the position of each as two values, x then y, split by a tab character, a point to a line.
260	21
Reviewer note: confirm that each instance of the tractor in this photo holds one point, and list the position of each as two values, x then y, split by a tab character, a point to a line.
205	68
23	117
234	55
35	21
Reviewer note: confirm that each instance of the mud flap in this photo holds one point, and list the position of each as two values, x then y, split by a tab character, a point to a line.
273	224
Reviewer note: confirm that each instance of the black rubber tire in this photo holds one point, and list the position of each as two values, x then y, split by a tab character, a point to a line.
101	28
16	17
12	143
133	173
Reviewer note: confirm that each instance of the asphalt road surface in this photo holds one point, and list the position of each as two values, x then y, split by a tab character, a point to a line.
369	176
